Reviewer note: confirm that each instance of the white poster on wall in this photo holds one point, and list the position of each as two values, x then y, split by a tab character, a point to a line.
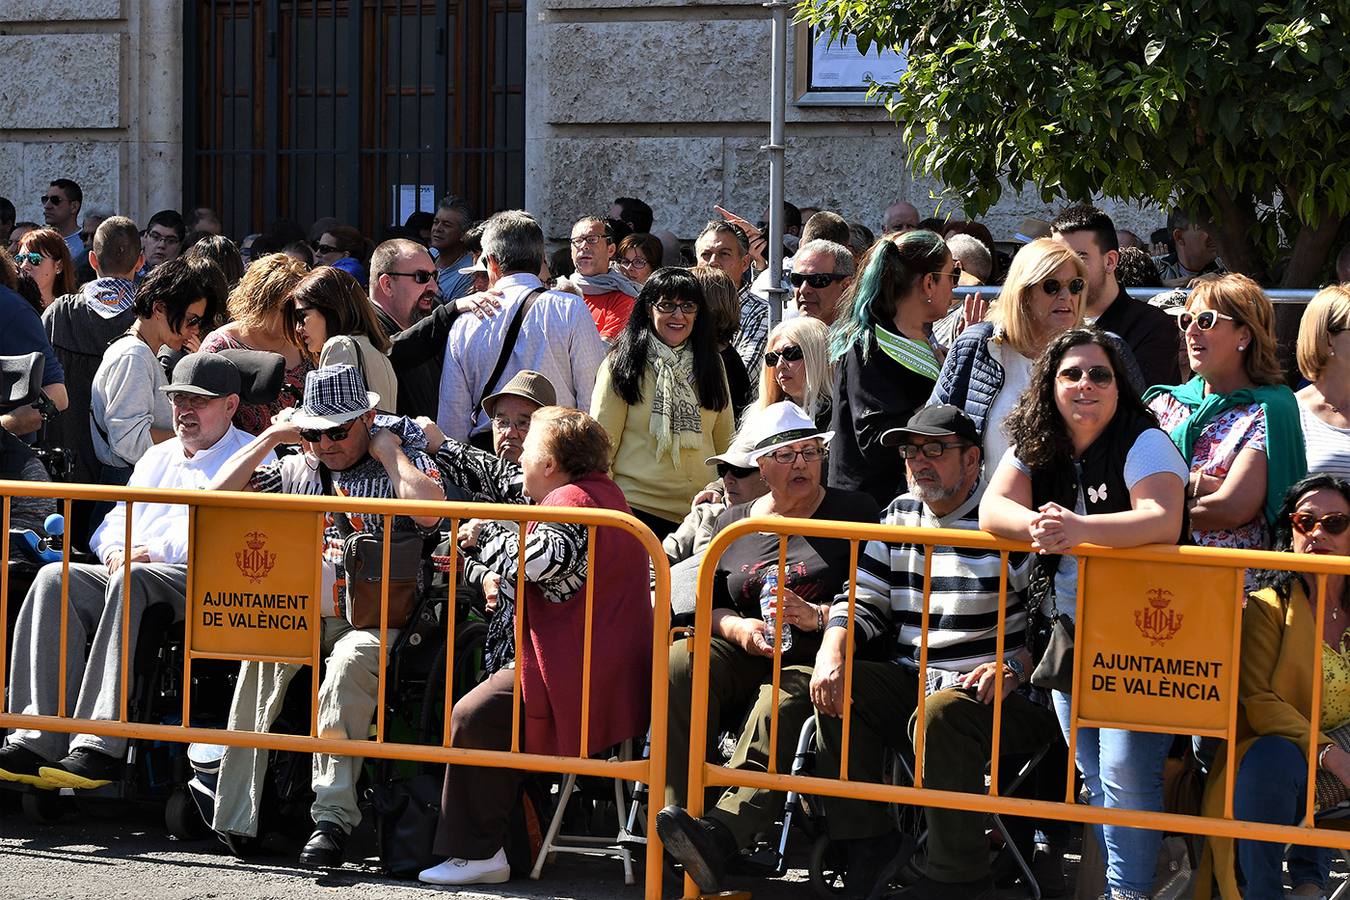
838	73
411	198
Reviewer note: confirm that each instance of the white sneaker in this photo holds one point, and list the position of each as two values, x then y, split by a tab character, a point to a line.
455	871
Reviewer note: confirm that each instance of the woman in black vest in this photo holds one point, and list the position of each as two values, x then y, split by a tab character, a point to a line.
1090	465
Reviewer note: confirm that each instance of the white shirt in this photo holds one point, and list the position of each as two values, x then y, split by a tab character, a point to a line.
557	338
162	528
1016	377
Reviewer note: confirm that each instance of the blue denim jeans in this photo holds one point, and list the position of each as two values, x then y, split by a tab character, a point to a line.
1270	787
1122	770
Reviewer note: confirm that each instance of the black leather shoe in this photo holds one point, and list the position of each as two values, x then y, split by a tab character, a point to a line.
326	847
702	846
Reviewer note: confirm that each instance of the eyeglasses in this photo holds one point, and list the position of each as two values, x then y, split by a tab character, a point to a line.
932	449
668	307
636	262
1101	376
33	259
1204	320
1052	285
786	456
192	321
503	424
324	248
189	401
161	238
725	469
955	275
52	200
590	240
818	280
335	434
1332	523
421	276
790	353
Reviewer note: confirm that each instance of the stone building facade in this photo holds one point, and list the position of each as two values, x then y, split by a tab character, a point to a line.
661	99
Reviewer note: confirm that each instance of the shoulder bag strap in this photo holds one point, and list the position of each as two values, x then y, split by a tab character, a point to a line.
341	520
508	344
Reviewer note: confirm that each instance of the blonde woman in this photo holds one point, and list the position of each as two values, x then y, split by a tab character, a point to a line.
797	368
1323	354
257	308
989	365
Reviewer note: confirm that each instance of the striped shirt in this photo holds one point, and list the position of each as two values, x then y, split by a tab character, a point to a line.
963	611
1328	446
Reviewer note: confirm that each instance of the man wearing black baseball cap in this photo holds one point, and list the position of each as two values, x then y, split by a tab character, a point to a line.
204	396
941	449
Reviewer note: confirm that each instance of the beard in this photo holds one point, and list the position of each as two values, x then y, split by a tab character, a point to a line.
932	492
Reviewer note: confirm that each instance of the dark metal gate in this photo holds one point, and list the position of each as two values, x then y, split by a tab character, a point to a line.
361	109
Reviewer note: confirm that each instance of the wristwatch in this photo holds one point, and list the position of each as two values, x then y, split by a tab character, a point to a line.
1015	666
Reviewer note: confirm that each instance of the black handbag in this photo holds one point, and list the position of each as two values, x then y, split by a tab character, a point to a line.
1054	666
407	811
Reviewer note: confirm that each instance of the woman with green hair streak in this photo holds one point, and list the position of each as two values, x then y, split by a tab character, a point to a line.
885	360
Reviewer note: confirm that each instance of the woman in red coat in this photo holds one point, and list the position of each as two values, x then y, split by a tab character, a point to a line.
564	461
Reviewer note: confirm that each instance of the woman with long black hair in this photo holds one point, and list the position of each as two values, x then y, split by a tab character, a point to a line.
662	396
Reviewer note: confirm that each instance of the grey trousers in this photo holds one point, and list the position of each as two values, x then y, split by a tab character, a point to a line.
93	686
347	698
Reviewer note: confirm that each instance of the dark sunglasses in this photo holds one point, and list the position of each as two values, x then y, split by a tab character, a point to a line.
1052	285
817	280
33	259
1332	523
1204	320
336	433
790	353
324	248
192	320
1101	376
725	469
52	200
421	276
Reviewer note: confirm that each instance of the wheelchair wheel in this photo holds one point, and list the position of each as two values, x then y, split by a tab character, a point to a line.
43	807
182	818
826	868
469	641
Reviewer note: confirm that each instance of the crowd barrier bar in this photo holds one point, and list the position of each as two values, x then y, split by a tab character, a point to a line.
1298	296
704	774
651	771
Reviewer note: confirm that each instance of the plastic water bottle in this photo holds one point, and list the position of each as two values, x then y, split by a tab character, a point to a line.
768	595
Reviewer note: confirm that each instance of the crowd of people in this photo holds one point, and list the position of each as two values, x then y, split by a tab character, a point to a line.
630	373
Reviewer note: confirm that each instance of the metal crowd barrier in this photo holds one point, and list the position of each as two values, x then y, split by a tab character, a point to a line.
1136	601
1297	296
289	525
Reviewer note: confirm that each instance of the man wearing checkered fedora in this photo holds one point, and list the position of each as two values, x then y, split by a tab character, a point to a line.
339	431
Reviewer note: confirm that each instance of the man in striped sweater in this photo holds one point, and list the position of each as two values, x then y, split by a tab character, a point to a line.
941	449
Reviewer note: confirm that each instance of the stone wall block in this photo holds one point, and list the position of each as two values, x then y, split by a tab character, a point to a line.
83	96
94	165
59	10
679	177
654	72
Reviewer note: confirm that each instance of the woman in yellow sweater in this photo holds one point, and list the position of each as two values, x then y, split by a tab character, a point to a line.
1275	695
662	396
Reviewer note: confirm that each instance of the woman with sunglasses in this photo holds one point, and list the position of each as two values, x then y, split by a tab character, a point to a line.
257	308
638	256
662	396
45	257
1323	354
347	249
1279	647
1088	464
790	452
886	361
989	364
334	322
128	411
1235	422
797	368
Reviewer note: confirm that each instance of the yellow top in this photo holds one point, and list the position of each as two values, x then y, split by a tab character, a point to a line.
1335	685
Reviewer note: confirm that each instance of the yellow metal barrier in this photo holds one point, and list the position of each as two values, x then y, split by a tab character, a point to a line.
207	509
1173	586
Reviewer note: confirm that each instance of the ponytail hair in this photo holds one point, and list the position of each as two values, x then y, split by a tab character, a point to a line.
890	272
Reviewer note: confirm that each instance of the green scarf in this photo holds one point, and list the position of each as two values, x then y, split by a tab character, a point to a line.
676	421
1286	456
917	356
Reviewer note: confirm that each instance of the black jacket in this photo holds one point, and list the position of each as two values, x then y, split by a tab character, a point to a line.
1151	335
417	355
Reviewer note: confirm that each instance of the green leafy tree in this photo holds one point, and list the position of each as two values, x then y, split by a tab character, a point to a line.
1236	110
